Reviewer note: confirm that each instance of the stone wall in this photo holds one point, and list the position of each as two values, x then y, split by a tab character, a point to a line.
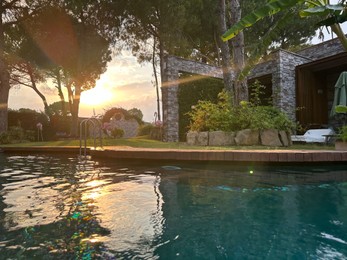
129	126
173	65
246	137
284	81
281	65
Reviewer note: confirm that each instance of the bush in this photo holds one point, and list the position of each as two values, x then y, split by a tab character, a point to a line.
343	133
117	133
5	138
145	129
207	116
16	134
205	89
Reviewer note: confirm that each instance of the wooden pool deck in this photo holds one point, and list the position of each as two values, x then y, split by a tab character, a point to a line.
261	156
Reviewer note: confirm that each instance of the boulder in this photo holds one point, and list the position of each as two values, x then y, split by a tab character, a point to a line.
284	138
192	138
197	138
202	139
221	138
247	137
270	137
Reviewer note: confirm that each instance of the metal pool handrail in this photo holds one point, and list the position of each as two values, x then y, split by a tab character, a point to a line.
96	125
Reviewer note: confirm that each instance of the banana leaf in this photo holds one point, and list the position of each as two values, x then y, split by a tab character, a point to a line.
269	9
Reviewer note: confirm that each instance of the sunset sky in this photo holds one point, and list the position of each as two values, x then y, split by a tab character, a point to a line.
125	84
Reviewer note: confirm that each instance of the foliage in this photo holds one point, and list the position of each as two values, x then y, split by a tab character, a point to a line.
26	118
292	35
343	133
136	113
208	116
117	133
16	134
56	108
145	129
341	109
127	115
328	14
204	89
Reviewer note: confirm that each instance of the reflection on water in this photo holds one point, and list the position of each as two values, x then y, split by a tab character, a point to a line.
61	208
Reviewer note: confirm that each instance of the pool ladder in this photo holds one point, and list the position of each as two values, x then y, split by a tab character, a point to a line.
94	126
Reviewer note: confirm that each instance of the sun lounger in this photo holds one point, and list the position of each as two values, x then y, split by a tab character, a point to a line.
314	136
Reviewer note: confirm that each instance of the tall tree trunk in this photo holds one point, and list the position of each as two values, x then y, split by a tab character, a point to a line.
60	93
225	50
240	84
38	92
74	101
156	78
4	81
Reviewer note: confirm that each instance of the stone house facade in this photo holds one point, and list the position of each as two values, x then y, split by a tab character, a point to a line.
294	79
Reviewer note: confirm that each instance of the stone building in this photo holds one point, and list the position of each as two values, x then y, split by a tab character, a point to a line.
304	79
129	126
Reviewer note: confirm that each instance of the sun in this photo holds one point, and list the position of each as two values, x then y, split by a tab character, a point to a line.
96	96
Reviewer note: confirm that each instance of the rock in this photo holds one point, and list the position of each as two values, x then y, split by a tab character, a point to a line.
221	138
192	138
284	138
202	139
197	138
247	137
270	137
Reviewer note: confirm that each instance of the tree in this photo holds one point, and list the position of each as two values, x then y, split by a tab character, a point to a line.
238	43
57	108
329	14
79	53
12	12
294	33
224	47
136	113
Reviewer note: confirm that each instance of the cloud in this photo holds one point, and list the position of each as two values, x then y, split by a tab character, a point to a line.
129	82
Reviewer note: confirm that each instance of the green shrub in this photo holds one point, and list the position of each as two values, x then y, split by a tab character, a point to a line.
5	138
343	133
16	134
145	129
208	116
204	89
117	133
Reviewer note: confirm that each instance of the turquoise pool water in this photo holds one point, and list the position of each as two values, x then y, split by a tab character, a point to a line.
55	207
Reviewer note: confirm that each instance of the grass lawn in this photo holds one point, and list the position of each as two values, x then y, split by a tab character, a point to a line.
142	142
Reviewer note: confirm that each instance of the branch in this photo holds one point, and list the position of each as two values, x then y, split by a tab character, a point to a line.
21	83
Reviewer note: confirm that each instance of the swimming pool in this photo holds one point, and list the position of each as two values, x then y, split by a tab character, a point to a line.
55	207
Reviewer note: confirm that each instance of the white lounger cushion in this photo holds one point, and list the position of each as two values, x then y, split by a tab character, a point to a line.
313	136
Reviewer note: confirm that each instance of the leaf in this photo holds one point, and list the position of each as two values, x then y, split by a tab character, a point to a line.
317	10
262	44
269	9
327	22
341	109
321	10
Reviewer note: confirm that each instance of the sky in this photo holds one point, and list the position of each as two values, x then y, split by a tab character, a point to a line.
125	84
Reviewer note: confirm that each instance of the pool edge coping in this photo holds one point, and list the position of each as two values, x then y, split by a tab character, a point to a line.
258	156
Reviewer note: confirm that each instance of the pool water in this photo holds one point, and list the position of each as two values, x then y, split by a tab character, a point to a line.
57	207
